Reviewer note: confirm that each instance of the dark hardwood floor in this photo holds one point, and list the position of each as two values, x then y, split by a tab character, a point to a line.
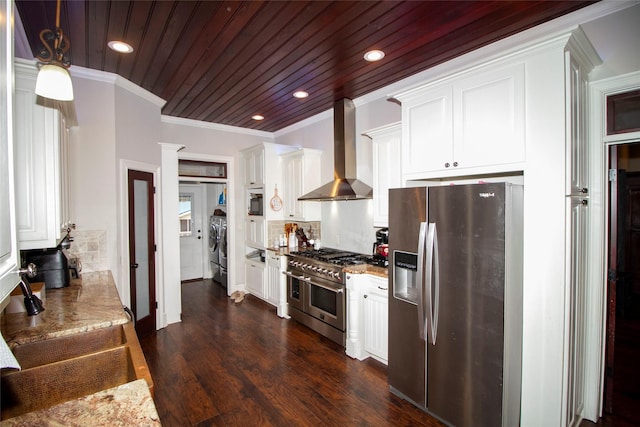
229	364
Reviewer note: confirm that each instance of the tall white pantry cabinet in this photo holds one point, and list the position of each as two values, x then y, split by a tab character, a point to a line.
519	115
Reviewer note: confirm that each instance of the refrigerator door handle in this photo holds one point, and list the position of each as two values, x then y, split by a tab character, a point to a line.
436	289
420	280
431	232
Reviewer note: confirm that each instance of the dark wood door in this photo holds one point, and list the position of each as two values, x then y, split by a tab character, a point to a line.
612	280
142	275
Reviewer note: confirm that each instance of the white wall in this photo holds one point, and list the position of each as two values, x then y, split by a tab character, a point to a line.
92	172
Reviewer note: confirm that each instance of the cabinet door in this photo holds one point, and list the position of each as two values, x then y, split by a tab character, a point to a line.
38	169
65	214
488	111
254	167
428	138
301	175
376	319
292	169
254	276
386	169
577	141
8	244
254	229
273	279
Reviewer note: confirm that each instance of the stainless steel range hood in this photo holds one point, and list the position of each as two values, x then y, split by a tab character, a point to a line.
345	185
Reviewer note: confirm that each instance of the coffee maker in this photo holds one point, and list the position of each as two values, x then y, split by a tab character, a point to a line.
381	247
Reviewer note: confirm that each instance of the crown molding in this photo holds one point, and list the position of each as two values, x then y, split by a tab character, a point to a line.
214	126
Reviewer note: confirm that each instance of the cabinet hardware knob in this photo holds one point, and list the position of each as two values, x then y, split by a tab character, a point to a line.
455	164
366	296
446	165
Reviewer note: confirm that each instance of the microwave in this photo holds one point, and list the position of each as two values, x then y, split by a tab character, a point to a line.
255	204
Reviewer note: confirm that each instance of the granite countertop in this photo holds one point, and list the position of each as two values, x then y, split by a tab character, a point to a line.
128	404
367	269
91	302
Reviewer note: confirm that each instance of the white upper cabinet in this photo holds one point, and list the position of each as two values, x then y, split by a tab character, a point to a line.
465	124
8	245
41	165
254	166
301	174
386	168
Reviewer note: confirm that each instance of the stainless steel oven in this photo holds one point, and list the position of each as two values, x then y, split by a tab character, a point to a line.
322	299
317	298
316	289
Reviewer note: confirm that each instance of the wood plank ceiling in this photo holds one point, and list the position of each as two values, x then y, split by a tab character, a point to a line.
224	61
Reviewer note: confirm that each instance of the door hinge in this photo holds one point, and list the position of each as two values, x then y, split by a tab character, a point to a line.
613	175
156	305
155	248
612	275
154	189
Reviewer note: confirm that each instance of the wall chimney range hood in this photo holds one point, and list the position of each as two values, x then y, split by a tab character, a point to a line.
345	185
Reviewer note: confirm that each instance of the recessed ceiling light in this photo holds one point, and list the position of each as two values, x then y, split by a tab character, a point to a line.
300	94
119	46
257	117
374	55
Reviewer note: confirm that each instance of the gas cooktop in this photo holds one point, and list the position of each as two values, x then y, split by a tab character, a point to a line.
335	256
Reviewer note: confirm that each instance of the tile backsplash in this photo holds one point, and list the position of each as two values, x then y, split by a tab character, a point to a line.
276	228
90	246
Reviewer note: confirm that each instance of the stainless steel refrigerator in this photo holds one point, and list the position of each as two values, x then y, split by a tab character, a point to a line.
455	301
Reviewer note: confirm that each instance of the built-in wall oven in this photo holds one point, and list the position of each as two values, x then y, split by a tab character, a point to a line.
316	290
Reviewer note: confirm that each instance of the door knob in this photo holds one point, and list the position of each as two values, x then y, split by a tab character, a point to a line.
134	265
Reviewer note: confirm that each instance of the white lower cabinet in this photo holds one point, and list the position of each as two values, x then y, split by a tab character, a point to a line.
277	283
254	277
367	317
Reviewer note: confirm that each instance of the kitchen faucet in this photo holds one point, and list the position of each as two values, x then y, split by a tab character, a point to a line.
32	303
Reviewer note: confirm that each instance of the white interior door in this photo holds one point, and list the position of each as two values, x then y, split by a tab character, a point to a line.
192	226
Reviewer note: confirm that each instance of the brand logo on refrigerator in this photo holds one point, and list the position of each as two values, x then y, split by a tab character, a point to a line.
487	195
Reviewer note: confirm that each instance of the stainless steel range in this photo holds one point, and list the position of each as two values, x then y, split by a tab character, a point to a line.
316	289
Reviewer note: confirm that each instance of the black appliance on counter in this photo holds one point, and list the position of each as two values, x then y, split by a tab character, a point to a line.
381	248
52	266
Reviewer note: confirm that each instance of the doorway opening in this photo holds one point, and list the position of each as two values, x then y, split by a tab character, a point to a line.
203	231
622	373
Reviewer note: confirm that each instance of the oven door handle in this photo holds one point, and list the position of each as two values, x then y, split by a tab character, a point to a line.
299	277
308	280
329	288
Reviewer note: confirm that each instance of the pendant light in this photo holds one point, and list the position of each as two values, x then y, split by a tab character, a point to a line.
54	80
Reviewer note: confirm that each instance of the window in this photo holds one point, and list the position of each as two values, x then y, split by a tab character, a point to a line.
623	112
184	215
195	168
